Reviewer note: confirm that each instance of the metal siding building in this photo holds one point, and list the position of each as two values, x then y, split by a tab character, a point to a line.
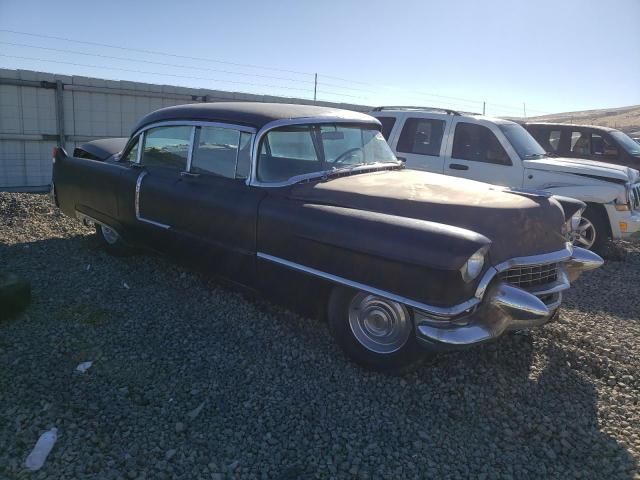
41	110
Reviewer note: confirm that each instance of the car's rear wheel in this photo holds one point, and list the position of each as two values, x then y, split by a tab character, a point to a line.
593	231
111	241
376	332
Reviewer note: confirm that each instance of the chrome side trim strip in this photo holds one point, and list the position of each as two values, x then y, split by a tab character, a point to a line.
430	309
137	204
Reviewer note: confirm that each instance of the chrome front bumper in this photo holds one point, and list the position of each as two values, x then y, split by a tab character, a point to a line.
504	307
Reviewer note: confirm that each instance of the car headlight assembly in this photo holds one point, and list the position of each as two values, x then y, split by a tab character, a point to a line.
473	267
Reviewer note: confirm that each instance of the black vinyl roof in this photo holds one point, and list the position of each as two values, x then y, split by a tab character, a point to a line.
253	114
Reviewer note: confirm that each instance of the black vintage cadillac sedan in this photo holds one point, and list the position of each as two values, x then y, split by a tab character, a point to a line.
308	204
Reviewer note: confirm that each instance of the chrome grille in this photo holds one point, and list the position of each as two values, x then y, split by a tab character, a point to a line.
531	275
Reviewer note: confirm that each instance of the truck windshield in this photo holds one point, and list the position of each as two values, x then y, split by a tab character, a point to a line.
296	150
626	142
524	144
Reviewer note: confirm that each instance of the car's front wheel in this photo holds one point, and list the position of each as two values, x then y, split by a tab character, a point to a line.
111	240
376	332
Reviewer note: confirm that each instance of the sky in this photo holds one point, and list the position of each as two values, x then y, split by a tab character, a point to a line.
542	56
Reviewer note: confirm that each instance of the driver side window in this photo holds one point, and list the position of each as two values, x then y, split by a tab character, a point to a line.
478	143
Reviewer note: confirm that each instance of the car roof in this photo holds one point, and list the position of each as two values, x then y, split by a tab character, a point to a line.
437	113
252	114
551	124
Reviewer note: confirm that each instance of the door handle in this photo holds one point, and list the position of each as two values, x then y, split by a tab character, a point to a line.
457	166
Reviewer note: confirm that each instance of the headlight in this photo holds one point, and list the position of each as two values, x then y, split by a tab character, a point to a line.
473	267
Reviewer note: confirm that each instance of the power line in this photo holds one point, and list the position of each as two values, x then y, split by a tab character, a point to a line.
153	52
75	52
466	102
167	74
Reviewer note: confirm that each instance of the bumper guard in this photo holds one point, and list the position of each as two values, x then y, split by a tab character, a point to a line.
504	307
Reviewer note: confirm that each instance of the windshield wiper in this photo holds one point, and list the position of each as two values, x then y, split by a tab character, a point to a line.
533	156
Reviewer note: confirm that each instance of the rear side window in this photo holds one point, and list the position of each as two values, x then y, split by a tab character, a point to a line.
580	143
167	147
478	144
554	140
421	136
387	126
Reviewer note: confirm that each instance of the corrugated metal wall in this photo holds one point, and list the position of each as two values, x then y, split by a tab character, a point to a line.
40	110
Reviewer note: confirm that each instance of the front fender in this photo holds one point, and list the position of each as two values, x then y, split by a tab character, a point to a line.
413	258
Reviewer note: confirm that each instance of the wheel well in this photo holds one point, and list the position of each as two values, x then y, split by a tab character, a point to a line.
597	207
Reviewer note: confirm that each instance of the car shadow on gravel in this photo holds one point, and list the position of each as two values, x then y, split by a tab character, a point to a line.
193	380
529	406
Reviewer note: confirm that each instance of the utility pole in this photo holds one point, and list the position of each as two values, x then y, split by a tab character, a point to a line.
315	87
524	109
484	104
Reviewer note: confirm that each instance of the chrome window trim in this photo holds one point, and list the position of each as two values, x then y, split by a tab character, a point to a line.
196	123
253	178
192	140
137	204
430	309
140	148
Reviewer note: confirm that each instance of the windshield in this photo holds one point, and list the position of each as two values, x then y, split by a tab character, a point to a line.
296	150
524	144
626	142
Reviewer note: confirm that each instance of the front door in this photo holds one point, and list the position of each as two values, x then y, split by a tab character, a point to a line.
475	152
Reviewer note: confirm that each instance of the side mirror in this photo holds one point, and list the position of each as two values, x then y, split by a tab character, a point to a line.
610	151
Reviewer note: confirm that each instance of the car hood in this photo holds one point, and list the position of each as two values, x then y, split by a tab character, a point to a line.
518	224
605	171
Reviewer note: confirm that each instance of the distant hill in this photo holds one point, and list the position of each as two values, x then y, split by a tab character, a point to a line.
626	119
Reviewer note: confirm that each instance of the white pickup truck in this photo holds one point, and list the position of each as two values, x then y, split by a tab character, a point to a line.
502	152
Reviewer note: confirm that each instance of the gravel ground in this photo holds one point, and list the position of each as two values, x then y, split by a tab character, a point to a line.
191	379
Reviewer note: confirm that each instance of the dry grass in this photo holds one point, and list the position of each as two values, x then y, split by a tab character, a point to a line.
626	119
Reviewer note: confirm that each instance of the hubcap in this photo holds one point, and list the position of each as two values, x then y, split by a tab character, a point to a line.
379	325
109	234
585	235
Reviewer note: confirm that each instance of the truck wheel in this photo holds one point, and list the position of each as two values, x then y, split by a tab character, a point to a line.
593	231
15	294
375	332
111	241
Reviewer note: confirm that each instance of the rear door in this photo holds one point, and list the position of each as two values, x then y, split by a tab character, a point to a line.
218	210
419	142
476	152
158	202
